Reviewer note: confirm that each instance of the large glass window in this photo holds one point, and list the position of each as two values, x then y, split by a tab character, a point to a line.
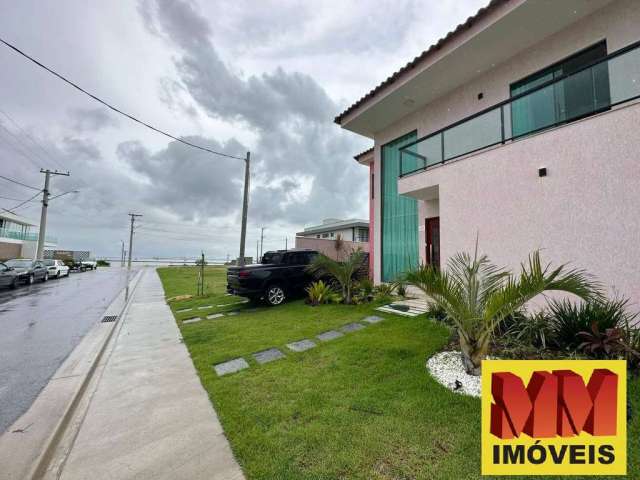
581	94
399	215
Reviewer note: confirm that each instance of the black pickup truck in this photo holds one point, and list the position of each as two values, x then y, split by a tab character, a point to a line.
281	274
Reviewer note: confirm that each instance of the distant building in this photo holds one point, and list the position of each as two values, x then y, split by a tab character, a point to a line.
353	233
19	237
353	230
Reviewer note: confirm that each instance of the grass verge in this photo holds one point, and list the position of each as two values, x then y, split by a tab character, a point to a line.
358	407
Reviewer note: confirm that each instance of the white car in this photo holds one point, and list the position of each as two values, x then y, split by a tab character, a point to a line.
56	268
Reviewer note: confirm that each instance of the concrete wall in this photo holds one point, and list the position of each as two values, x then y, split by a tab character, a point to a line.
617	23
10	250
328	247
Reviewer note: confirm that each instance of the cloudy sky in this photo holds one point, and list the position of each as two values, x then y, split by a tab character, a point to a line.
265	76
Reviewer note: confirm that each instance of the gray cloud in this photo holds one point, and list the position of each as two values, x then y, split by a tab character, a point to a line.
274	72
92	119
291	114
191	184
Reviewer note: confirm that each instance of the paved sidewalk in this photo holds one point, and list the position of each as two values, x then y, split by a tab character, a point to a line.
149	417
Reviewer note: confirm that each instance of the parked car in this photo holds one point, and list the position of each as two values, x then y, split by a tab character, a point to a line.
8	276
56	268
281	274
89	264
29	270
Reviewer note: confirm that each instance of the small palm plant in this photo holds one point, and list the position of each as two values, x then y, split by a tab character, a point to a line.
319	293
476	295
343	273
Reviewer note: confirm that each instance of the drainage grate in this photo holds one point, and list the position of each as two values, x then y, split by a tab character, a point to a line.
109	318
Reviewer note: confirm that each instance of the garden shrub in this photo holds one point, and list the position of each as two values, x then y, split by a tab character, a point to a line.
384	293
533	330
569	319
319	293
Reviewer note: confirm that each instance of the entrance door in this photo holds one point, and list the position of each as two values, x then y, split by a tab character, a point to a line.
432	233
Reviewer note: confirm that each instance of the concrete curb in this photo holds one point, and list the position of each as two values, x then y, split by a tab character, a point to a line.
27	454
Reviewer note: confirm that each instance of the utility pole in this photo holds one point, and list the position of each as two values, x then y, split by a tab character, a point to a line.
122	254
285	244
261	240
133	219
43	212
245	207
257	247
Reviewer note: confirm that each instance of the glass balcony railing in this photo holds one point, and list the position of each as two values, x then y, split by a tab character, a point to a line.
595	88
27	236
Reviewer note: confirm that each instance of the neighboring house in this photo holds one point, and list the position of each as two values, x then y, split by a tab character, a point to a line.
19	237
521	128
354	234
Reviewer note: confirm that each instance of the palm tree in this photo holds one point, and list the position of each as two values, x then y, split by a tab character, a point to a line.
476	295
342	272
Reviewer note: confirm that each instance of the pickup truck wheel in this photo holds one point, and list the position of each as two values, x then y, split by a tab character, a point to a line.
274	295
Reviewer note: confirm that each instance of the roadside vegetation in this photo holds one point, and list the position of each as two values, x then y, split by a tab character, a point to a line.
359	407
486	306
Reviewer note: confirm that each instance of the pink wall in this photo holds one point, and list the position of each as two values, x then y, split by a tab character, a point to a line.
328	246
584	212
617	23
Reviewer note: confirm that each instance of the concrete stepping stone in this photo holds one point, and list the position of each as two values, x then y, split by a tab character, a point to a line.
267	356
184	310
205	307
215	315
233	303
231	366
372	319
229	314
192	320
352	327
330	335
301	346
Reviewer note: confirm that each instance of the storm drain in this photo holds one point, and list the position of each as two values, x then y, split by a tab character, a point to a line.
109	318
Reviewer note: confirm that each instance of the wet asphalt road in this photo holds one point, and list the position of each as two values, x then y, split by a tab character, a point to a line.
39	327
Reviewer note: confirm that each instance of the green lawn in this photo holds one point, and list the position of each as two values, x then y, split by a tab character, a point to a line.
359	407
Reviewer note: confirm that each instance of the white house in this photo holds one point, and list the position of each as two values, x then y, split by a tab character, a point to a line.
521	126
19	237
354	234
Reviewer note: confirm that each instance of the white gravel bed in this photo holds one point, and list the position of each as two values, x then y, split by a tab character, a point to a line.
446	368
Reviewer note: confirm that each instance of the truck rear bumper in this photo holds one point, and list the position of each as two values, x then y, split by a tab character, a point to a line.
243	292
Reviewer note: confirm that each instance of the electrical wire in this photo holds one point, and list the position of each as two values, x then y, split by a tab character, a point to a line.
18	147
20	183
11	198
23	203
111	107
33	140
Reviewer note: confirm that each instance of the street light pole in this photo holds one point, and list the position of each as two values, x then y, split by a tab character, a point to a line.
43	212
122	254
245	207
133	219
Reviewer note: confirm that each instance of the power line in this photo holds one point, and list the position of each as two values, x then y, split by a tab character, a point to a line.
11	198
23	203
20	183
19	150
115	109
33	140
